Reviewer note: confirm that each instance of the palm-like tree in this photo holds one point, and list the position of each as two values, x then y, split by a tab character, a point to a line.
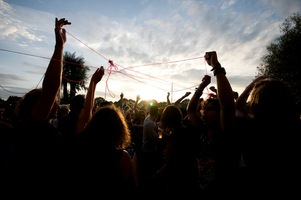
74	74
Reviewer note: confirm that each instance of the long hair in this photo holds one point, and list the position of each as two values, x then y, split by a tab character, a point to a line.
108	127
27	103
271	101
172	117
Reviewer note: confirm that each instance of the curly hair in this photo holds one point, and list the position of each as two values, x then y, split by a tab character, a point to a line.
108	127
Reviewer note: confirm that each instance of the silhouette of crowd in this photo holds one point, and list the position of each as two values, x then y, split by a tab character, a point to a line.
225	144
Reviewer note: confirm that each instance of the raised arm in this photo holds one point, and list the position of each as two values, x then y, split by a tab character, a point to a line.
53	76
192	106
178	102
241	102
87	111
167	98
121	102
136	104
224	91
136	110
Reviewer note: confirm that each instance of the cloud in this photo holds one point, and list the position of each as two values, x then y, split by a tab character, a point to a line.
10	78
157	43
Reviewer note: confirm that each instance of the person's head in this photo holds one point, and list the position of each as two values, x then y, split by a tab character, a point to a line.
153	111
102	104
108	127
141	115
125	109
271	101
129	115
77	103
211	111
171	117
27	103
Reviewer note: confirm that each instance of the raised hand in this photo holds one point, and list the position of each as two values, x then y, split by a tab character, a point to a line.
211	58
98	74
60	33
187	94
138	98
205	81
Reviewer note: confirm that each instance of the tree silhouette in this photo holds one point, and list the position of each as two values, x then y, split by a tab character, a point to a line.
74	74
283	58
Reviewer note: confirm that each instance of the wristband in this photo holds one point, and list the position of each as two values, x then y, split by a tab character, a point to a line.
219	70
215	67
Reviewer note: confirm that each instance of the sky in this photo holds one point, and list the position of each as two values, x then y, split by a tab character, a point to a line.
156	46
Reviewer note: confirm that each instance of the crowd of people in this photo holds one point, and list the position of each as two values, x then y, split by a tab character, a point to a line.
226	144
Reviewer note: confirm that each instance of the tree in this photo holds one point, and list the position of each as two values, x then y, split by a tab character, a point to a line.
283	58
74	74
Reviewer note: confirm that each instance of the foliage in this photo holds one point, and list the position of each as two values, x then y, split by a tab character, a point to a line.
283	58
74	74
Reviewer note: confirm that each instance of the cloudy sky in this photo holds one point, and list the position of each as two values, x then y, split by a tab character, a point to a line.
157	46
